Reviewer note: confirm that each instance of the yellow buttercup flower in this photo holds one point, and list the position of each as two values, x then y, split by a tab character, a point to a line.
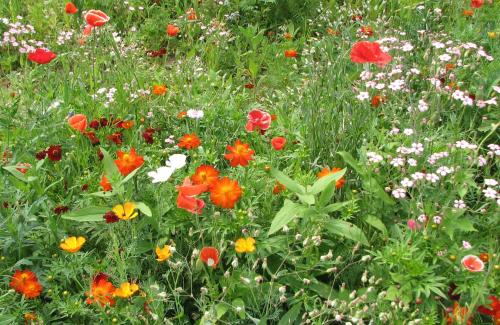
245	245
126	290
163	253
492	34
126	211
72	244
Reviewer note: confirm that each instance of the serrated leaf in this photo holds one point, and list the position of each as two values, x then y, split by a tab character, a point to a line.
347	230
287	213
288	182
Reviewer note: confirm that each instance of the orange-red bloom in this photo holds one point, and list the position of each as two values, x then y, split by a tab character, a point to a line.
159	89
377	100
189	141
326	171
71	8
26	283
225	193
23	167
191	14
369	52
291	53
472	263
367	30
239	154
457	316
78	122
205	175
476	3
172	30
128	162
210	256
96	18
105	184
468	13
493	311
278	143
101	291
187	196
278	188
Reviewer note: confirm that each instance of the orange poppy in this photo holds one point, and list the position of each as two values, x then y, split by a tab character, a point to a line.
26	283
278	188
278	143
225	193
101	291
377	100
187	196
172	30
239	154
291	53
326	171
181	115
128	162
159	89
189	141
205	175
71	8
191	14
78	122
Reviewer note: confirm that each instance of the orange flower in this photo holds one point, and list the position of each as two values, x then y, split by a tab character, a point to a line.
172	30
240	154
205	175
291	53
278	188
187	196
78	122
377	100
72	244
71	8
26	283
101	291
181	115
128	162
125	124
458	314
485	257
105	184
367	30
191	14
326	171
225	192
210	256
159	89
468	13
189	141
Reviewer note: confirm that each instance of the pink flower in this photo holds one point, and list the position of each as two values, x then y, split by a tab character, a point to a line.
259	120
413	225
472	263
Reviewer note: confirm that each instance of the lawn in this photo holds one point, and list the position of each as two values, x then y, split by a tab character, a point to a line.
250	162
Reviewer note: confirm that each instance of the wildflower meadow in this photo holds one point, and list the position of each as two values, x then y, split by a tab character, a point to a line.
250	162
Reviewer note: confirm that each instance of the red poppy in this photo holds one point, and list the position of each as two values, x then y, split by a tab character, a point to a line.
278	143
291	53
116	137
258	120
472	263
239	154
54	152
187	196
172	30
476	3
128	162
377	100
493	311
41	56
210	256
78	122
96	18
369	52
71	8
111	217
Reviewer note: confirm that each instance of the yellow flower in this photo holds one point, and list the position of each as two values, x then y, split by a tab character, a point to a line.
126	211
245	245
163	253
72	244
126	290
492	35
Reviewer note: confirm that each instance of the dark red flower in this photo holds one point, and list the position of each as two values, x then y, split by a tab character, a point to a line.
41	155
99	154
249	85
111	217
116	137
369	52
92	137
154	54
104	122
85	187
94	124
148	135
41	56
60	209
54	152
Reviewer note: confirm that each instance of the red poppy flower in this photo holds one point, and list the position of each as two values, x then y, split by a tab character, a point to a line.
493	311
96	18
369	52
205	175
278	143
111	217
101	291
377	100
54	152
187	196
128	162
472	263
41	56
225	192
476	3
259	120
26	283
291	53
210	256
239	154
189	141
71	8
172	30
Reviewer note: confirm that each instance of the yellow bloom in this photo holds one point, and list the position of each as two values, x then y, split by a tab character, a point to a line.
163	253
492	35
245	245
126	290
72	244
126	211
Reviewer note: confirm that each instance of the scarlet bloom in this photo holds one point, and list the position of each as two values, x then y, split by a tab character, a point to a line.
369	52
71	8
54	152
125	124
210	256
367	30
278	143
159	89
191	14
326	171
258	120
78	122
291	53
105	184
377	100
41	56
205	175
181	115
172	30
239	154
101	291
493	311
278	188
476	3
26	283
472	263
128	162
225	193
189	141
96	18
187	196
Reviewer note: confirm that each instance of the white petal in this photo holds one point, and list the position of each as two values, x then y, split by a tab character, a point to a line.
176	161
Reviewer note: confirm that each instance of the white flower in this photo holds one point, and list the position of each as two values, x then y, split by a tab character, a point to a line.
466	244
399	193
162	174
195	114
490	182
490	193
176	161
406	182
363	96
408	131
412	162
459	204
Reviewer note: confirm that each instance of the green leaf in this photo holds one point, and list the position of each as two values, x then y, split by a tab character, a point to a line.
375	223
129	176
335	206
220	310
7	319
371	185
326	195
288	182
287	213
143	208
102	194
321	184
238	302
349	159
110	169
87	214
307	198
17	174
291	316
346	229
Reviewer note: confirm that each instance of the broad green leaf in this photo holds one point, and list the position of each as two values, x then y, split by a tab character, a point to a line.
371	185
110	169
220	309
238	302
346	229
287	213
323	182
335	206
376	223
326	195
349	159
143	208
288	182
291	316
129	176
102	194
87	214
307	198
16	173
